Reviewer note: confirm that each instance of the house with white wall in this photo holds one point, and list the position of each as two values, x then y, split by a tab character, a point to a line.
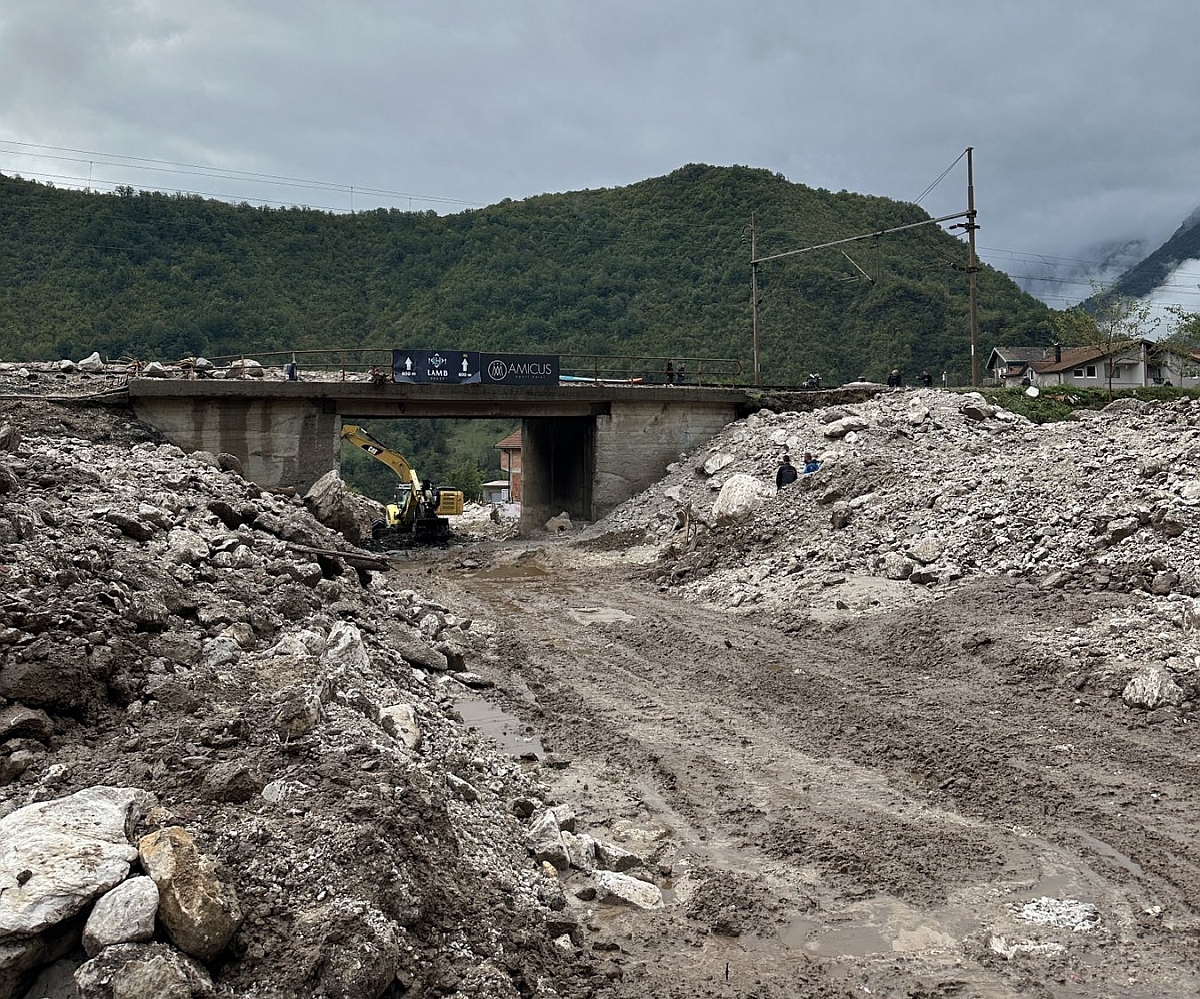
1131	363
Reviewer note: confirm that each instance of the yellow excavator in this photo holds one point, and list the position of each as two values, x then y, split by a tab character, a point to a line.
420	508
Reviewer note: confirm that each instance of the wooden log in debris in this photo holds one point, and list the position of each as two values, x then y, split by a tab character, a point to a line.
355	559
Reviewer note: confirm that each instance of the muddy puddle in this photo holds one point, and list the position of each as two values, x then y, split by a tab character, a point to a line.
600	615
507	731
518	572
881	927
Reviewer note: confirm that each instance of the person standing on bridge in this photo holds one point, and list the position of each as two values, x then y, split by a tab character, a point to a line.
679	374
669	372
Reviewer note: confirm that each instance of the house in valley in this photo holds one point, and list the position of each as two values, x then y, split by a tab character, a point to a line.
510	462
1123	365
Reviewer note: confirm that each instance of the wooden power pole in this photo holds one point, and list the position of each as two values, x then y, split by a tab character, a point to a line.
972	269
754	294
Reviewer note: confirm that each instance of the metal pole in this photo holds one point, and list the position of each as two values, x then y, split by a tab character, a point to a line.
972	268
754	295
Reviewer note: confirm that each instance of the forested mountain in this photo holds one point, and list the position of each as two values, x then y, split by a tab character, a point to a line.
656	268
1152	272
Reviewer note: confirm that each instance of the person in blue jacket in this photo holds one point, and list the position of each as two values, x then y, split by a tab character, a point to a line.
810	464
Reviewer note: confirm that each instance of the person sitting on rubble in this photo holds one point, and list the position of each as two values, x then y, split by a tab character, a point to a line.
786	474
926	379
810	465
893	378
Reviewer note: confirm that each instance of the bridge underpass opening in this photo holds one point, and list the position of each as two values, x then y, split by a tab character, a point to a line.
558	455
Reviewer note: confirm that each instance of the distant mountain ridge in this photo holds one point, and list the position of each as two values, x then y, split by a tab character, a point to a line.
657	268
1064	279
1152	272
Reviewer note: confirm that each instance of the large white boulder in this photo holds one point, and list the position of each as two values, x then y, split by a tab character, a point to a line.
401	723
846	425
246	367
717	462
125	915
740	496
57	856
1152	687
621	889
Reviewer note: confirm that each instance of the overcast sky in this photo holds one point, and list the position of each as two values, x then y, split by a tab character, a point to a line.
1082	113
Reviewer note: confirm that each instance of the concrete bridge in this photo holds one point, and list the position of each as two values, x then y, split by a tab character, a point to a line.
586	447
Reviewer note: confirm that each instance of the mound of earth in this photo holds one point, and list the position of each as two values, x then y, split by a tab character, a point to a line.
281	704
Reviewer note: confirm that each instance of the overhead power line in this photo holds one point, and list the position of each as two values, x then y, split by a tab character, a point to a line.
940	178
201	170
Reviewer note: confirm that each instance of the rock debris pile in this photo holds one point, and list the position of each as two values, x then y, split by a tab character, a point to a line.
920	490
230	756
93	371
929	487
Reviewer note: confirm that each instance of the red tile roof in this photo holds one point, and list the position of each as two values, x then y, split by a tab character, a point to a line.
512	442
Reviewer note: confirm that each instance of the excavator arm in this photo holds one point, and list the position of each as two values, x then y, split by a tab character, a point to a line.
381	452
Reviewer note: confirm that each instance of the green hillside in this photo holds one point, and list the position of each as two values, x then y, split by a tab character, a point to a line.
657	268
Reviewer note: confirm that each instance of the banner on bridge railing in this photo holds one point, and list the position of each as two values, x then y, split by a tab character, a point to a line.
472	367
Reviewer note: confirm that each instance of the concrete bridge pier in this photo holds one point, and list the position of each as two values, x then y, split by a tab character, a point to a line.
279	442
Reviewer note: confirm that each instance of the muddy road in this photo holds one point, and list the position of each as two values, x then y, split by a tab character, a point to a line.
936	799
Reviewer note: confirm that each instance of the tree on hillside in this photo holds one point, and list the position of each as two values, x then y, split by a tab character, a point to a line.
1110	324
1185	327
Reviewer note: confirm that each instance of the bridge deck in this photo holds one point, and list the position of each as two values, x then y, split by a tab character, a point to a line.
364	399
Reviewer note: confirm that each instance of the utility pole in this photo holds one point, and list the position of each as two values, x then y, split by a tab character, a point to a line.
972	269
754	295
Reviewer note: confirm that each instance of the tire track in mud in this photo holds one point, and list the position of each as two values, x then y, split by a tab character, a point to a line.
922	769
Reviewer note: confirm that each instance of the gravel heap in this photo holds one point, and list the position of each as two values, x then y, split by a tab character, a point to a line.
931	487
922	491
270	723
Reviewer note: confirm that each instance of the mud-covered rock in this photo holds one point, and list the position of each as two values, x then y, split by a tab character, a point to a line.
335	506
198	909
18	721
142	971
351	950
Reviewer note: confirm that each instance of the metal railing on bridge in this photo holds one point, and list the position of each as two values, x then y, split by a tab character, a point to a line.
650	370
375	364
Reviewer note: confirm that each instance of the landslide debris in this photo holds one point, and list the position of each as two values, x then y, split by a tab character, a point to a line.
920	492
270	726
